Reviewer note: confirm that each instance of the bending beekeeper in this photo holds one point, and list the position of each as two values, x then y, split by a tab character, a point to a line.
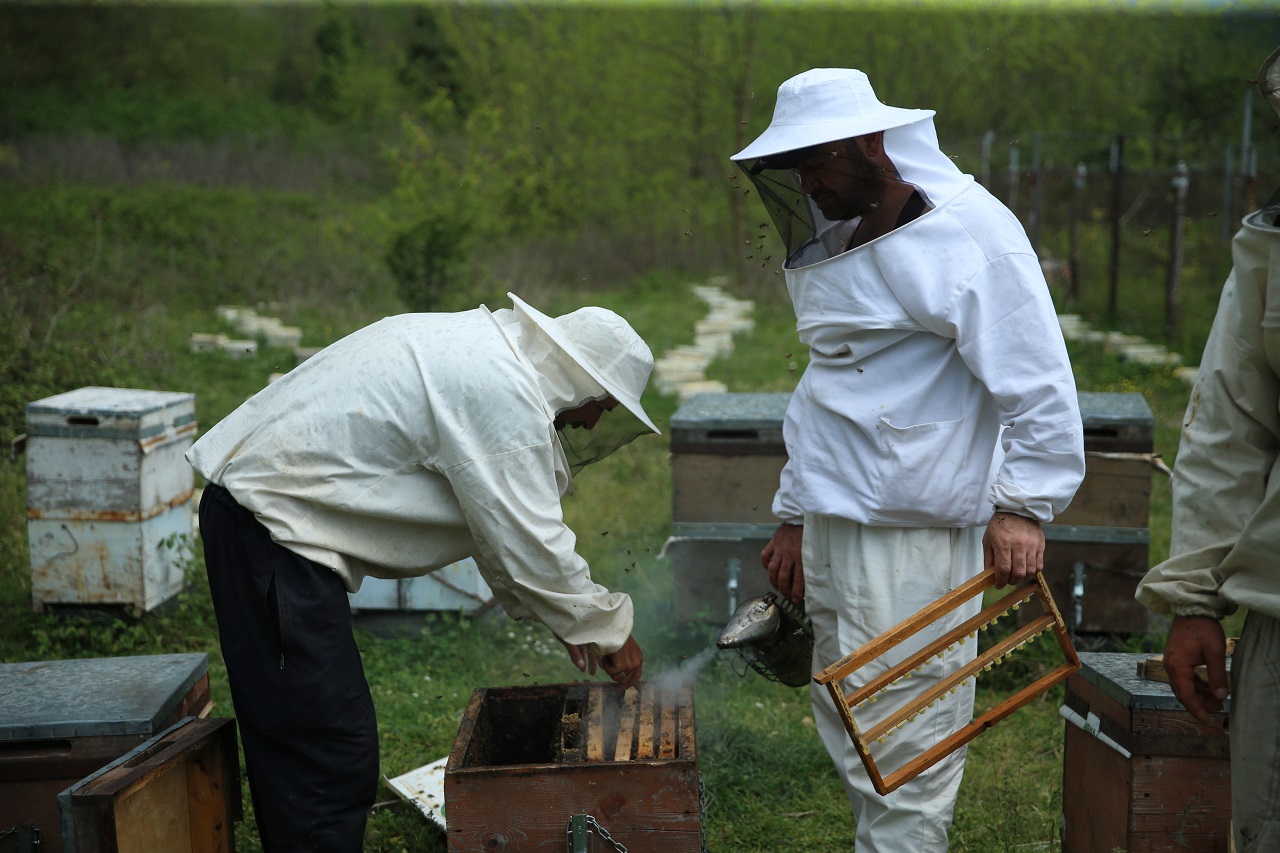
411	444
936	427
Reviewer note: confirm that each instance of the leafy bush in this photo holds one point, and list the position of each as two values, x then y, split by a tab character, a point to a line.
426	260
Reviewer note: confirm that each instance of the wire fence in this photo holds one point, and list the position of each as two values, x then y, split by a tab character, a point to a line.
1124	185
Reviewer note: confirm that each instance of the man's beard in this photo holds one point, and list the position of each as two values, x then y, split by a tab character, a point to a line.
864	193
861	199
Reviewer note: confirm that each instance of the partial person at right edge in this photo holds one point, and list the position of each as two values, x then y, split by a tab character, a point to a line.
1224	552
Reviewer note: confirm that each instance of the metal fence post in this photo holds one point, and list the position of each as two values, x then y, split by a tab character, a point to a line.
1181	181
1117	199
1077	213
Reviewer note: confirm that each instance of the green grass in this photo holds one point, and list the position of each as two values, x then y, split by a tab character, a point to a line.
104	288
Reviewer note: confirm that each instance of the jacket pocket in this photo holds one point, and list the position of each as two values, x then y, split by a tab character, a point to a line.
929	474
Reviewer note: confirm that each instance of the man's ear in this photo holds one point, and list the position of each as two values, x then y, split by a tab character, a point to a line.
871	145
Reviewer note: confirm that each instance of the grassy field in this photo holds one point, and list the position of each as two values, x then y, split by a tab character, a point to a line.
105	289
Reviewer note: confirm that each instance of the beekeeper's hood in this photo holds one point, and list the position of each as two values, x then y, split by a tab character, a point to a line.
1269	86
586	355
825	105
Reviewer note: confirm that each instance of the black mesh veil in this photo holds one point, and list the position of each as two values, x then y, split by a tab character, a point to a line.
615	429
799	222
787	206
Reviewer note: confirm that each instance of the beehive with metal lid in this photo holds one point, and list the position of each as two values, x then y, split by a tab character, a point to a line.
1139	773
727	453
1096	551
108	496
61	721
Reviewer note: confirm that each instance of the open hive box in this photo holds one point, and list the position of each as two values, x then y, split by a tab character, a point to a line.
527	760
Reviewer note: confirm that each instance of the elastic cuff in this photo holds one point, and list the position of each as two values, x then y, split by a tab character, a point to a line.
1020	513
1195	610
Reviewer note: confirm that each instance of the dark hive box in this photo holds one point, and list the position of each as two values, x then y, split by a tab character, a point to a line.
1173	792
61	721
726	456
527	759
1103	537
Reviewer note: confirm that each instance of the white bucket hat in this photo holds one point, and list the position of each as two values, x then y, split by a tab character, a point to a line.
823	105
606	347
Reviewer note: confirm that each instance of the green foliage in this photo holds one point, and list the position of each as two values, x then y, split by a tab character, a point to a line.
430	61
101	287
351	88
425	261
144	113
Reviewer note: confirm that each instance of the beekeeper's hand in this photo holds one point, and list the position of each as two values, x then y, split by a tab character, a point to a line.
1197	641
624	665
581	658
781	559
1014	546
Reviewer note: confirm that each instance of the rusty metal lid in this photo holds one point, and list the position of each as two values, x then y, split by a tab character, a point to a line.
98	412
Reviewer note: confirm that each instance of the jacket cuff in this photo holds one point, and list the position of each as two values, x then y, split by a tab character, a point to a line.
1194	610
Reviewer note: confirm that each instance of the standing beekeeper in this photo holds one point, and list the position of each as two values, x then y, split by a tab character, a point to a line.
1226	523
936	427
411	444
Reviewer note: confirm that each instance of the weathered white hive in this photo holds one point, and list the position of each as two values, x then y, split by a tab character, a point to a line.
108	496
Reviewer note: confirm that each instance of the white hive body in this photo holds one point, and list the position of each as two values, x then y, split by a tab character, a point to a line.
109	496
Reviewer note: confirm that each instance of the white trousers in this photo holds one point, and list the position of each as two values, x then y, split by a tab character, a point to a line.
859	582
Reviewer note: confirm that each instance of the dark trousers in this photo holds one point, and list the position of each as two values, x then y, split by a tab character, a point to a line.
305	714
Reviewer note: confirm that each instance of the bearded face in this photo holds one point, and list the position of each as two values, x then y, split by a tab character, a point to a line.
842	181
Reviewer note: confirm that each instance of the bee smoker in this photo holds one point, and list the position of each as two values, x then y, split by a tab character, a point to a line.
774	637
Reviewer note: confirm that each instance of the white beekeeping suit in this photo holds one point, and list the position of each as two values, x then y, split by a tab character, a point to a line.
427	438
938	390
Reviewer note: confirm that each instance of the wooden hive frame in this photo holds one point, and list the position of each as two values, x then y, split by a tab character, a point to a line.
645	726
1049	620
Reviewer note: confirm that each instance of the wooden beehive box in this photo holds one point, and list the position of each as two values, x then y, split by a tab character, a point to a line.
1105	531
527	759
61	721
177	793
1173	792
1119	431
726	455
